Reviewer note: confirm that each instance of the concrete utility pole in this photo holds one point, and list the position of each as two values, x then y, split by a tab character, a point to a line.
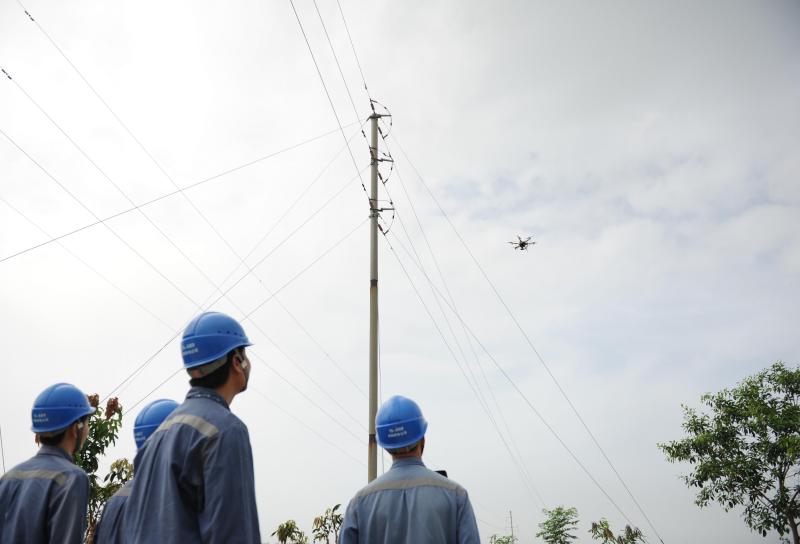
511	520
372	461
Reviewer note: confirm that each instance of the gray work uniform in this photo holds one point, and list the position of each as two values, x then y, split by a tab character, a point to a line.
194	478
44	500
410	504
109	528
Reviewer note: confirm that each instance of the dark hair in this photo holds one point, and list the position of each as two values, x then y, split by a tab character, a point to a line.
219	376
405	449
55	440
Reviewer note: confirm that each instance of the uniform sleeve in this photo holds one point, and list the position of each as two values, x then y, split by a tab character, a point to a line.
348	533
467	526
68	502
229	507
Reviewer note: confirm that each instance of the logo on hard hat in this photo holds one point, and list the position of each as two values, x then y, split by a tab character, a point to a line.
190	349
40	417
395	432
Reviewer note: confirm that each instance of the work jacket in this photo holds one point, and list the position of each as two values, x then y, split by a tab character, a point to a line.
194	478
410	504
44	500
109	528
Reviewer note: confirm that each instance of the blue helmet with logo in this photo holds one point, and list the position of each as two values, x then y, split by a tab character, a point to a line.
150	418
399	423
210	336
58	407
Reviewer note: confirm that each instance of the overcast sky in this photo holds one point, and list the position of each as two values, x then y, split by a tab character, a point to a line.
651	150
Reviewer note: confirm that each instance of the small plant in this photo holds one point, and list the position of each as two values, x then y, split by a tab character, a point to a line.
104	428
559	525
507	539
327	525
602	531
289	533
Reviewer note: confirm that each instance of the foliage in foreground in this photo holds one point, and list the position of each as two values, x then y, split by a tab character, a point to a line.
744	450
559	525
602	531
104	428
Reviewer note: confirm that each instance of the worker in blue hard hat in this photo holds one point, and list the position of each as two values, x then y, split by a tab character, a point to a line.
109	528
409	504
44	499
194	475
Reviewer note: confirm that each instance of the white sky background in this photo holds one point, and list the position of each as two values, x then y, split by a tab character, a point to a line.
652	150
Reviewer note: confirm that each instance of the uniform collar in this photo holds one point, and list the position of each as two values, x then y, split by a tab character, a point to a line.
407	461
204	393
56	451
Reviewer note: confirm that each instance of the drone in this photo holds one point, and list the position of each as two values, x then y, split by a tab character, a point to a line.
522	244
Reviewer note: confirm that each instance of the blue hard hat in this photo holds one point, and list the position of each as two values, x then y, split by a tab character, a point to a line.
150	418
399	423
58	407
210	336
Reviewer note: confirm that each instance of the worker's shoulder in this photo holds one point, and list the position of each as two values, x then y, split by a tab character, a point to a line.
47	467
207	417
409	478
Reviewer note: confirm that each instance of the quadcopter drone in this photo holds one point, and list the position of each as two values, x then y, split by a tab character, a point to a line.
522	244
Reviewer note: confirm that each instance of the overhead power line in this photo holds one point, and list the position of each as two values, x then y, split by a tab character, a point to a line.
209	303
186	196
532	347
89	266
519	391
248	316
529	484
170	194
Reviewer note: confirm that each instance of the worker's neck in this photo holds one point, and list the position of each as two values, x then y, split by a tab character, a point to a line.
227	391
415	454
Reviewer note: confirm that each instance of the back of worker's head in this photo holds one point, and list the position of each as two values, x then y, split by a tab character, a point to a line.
400	426
210	344
150	418
56	410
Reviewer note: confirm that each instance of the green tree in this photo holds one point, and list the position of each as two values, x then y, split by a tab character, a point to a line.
104	425
744	450
559	525
508	539
327	525
289	533
602	531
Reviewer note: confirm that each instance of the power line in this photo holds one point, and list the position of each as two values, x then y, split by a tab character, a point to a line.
455	308
325	88
533	348
186	196
309	427
336	59
248	316
113	232
206	303
305	396
89	266
525	398
529	484
358	63
172	193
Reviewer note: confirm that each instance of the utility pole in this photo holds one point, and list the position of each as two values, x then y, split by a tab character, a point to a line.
372	461
511	520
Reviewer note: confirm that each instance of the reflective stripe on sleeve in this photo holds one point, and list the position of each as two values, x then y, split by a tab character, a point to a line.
409	484
58	477
196	422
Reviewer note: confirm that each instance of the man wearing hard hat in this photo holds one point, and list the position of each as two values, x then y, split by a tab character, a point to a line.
194	476
44	499
409	504
109	528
